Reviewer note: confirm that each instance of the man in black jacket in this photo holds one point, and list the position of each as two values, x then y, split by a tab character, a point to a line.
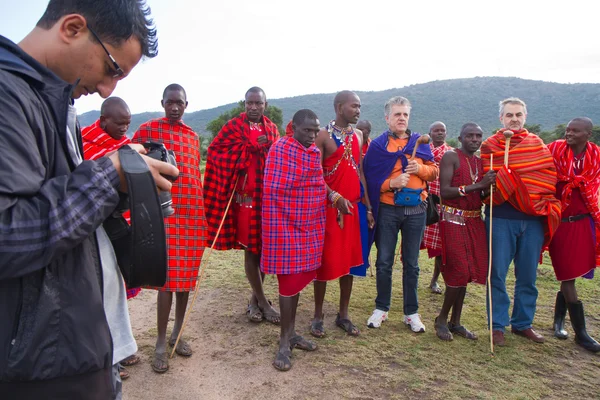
55	341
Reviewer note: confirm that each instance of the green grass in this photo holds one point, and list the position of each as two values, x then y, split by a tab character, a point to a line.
392	362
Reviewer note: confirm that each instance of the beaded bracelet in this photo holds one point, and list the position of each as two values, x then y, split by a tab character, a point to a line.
462	191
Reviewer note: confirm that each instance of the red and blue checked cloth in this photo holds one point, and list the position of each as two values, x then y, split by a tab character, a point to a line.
186	229
229	154
96	143
293	212
432	240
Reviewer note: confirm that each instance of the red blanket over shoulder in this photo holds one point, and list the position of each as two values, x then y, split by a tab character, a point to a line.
229	154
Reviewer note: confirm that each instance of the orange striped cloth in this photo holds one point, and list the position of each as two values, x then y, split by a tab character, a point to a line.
588	182
529	182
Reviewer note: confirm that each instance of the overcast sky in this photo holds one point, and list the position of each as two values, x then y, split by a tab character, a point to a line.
218	49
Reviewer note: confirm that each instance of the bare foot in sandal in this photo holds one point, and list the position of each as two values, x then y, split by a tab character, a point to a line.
442	331
183	347
270	314
317	328
347	326
460	330
282	359
160	363
253	313
298	342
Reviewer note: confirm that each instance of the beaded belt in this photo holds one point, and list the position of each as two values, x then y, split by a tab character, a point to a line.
461	213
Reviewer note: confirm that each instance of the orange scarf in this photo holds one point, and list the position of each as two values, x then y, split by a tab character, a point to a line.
529	182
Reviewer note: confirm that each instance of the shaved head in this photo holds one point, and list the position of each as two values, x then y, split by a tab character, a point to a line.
343	97
115	117
174	87
436	124
585	121
112	106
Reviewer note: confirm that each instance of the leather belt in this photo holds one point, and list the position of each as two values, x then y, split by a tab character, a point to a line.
574	218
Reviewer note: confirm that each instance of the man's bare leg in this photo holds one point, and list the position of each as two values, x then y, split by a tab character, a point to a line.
164	300
255	277
345	293
454	325
181	301
287	306
441	322
433	285
317	329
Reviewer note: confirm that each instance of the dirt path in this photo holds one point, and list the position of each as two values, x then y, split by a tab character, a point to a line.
232	358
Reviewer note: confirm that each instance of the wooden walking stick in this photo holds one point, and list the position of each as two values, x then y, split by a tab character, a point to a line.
423	139
507	136
203	269
489	281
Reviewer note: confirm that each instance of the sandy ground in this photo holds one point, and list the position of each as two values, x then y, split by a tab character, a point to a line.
232	357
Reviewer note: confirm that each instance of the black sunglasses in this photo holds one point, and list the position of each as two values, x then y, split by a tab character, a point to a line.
118	70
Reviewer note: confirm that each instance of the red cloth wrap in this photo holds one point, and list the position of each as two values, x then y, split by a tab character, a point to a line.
342	249
186	229
229	154
465	255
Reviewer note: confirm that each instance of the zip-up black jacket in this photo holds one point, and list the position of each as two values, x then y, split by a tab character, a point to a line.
52	321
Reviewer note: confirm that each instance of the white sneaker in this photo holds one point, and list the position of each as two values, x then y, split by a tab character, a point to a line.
414	322
377	318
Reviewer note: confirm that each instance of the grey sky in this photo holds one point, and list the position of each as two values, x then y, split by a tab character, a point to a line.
218	49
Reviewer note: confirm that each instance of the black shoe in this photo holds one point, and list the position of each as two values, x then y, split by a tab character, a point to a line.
578	322
560	312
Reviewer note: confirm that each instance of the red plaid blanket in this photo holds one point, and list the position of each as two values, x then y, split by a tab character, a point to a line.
229	154
293	209
186	229
431	238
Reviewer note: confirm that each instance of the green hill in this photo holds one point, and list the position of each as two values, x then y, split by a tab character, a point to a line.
454	101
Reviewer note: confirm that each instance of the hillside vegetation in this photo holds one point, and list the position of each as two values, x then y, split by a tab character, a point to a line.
454	101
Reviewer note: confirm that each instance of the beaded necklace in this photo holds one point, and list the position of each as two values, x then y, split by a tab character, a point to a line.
344	137
475	175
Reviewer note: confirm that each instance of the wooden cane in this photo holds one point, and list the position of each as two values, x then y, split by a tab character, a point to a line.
507	136
423	139
489	281
203	270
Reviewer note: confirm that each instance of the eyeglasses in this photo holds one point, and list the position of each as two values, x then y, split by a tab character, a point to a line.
118	70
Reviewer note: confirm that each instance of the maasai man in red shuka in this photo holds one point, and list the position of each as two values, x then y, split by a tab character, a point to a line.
106	135
293	224
340	148
432	240
578	167
186	229
235	163
464	243
526	214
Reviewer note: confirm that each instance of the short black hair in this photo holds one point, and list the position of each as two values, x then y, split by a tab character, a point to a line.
587	121
114	21
175	87
469	125
255	89
303	115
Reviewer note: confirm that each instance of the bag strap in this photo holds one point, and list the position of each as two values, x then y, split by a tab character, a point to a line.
148	245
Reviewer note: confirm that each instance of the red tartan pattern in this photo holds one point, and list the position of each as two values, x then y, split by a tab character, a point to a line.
465	257
431	238
228	155
186	229
293	209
